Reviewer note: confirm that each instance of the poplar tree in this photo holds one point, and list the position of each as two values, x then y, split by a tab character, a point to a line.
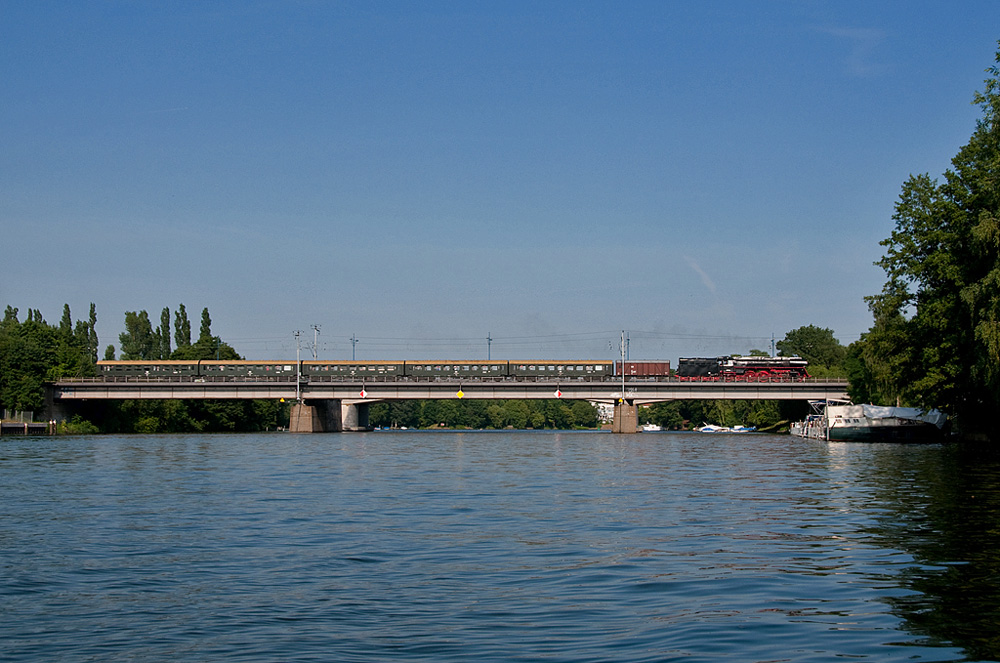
205	333
66	324
92	343
164	333
182	328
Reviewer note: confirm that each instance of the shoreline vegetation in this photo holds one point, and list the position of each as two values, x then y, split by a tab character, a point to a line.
934	341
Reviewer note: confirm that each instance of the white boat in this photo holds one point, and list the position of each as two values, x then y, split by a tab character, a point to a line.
846	422
650	428
712	428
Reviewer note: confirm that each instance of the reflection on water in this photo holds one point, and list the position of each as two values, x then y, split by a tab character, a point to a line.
496	546
942	507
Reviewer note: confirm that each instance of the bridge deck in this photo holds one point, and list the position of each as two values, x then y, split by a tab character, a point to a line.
639	390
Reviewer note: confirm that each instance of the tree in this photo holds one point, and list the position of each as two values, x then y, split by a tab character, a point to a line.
205	334
814	344
137	341
163	331
66	324
33	352
935	341
92	343
182	328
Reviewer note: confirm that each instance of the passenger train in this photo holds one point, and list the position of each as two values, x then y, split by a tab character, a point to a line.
691	369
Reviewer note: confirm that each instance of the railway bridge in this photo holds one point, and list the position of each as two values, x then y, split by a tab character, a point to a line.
323	404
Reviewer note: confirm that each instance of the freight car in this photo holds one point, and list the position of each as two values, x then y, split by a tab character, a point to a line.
643	369
738	367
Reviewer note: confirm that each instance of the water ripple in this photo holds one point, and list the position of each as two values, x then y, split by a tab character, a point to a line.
503	546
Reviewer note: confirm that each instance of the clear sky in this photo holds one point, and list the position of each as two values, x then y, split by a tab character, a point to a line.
423	174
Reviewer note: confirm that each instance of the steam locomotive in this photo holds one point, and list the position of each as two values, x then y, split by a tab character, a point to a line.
742	368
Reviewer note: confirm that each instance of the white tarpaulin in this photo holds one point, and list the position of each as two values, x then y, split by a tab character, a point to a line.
885	412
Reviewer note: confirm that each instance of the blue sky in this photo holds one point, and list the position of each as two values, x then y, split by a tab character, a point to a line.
423	174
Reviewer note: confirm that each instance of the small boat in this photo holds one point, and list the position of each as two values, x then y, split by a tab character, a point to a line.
650	428
846	422
712	428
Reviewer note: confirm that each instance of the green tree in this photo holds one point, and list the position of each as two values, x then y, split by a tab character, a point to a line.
92	342
205	333
163	332
207	346
182	328
935	341
138	342
66	323
816	345
33	352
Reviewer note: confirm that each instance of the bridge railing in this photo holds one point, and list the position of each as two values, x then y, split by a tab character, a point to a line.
244	379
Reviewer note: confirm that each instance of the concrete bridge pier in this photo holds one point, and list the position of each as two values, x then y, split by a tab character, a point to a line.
328	415
304	418
626	417
57	410
354	415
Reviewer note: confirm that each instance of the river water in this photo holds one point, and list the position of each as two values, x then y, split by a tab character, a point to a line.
496	546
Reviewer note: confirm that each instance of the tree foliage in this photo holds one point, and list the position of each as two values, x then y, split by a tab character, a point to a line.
483	414
816	345
32	352
182	328
935	341
687	414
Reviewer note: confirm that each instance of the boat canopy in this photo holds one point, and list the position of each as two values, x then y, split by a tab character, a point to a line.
886	412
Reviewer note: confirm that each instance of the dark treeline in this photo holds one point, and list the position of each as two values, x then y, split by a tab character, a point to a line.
33	352
477	414
935	341
140	341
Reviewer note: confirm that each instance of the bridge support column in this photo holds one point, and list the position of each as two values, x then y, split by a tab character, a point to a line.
318	416
58	411
354	416
304	419
626	419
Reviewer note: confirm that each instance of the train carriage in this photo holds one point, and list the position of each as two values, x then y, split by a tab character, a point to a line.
579	370
164	368
239	368
347	370
430	370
